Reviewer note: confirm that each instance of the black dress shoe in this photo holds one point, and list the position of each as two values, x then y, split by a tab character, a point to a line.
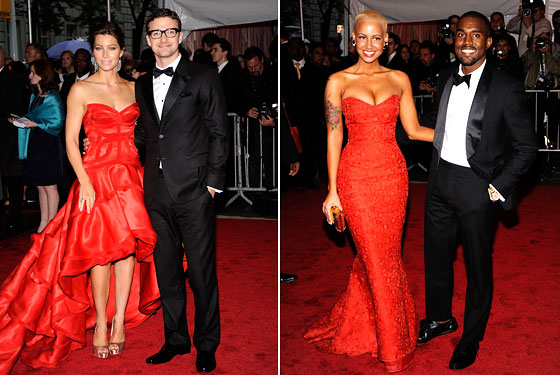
287	278
431	329
205	361
166	354
463	356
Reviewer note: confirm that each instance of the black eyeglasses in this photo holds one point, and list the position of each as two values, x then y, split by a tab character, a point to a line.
170	33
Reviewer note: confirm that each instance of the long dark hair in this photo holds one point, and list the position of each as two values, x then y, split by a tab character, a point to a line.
48	81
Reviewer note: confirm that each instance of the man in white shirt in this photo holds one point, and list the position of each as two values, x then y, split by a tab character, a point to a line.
484	141
230	73
183	124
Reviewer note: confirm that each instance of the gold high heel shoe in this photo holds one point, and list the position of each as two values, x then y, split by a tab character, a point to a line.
100	351
115	348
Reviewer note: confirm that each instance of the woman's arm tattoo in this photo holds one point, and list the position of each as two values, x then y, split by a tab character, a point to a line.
333	115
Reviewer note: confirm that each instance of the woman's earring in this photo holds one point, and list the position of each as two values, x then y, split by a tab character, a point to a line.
354	42
119	65
386	44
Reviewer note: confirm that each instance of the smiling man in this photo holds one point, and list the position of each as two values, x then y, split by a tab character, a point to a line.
183	124
484	142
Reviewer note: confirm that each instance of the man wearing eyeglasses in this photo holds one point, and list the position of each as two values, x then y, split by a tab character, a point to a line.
183	124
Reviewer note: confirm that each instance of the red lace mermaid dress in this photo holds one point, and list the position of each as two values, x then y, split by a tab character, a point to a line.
376	313
46	304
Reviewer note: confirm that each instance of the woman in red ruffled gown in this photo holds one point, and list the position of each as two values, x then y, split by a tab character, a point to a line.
62	286
369	182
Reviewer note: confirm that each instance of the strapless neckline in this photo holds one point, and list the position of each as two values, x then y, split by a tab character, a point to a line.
108	106
372	105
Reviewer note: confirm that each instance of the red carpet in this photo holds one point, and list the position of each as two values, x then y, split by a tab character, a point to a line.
248	279
523	334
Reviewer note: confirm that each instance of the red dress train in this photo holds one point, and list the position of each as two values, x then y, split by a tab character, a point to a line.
46	304
376	313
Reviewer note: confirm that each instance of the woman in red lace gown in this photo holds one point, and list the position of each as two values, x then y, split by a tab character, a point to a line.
62	286
369	182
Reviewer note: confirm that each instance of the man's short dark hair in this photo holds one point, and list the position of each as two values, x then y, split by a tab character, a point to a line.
224	45
209	39
429	45
83	50
497	14
160	13
499	38
395	38
314	45
252	52
481	17
452	16
39	50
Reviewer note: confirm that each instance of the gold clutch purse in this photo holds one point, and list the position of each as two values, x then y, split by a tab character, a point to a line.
339	221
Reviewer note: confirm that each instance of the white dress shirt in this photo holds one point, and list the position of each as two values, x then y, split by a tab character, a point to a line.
221	66
390	57
454	147
161	85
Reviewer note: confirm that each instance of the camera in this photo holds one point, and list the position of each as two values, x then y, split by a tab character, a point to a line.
446	31
544	83
499	54
268	110
527	6
432	80
541	42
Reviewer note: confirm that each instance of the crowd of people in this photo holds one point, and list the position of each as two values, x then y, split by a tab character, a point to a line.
535	61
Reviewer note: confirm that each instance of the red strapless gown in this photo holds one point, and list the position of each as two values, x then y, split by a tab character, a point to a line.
376	313
46	304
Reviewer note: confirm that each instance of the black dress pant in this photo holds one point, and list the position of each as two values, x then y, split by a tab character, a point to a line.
459	205
186	228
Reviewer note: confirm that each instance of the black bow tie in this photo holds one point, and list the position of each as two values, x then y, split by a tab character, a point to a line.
168	71
457	79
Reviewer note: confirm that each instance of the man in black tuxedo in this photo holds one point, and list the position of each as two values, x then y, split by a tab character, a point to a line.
484	141
230	73
183	124
82	70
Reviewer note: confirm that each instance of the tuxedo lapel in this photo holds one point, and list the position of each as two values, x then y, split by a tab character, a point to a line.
148	91
476	114
442	113
176	88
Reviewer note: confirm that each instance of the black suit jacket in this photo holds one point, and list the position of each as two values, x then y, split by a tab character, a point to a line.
69	80
191	138
501	142
12	100
231	80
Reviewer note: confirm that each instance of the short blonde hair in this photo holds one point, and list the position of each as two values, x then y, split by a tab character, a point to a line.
371	15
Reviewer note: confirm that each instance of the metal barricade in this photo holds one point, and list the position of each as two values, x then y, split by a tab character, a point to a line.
419	102
550	145
241	157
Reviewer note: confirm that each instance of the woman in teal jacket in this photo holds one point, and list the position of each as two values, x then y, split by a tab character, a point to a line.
39	141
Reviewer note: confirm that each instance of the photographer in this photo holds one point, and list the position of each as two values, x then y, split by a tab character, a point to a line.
528	23
543	71
445	51
498	31
542	68
505	60
259	90
425	75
